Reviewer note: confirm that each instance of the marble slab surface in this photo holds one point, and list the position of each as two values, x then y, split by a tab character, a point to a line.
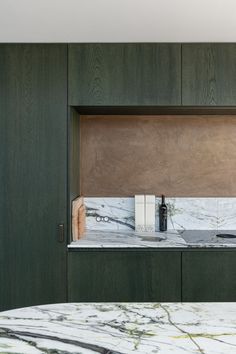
120	328
127	239
183	213
174	239
192	213
119	211
226	214
208	238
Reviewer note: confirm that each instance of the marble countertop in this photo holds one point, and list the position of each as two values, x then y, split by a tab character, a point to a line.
127	239
115	328
173	239
208	238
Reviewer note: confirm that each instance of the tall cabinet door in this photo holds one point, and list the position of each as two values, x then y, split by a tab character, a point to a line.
33	137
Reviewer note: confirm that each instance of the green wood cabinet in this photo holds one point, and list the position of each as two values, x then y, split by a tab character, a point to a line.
100	275
209	275
33	128
124	74
209	74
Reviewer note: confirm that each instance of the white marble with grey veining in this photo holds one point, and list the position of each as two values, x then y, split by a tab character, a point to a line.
183	213
192	213
226	214
128	239
120	328
120	212
173	239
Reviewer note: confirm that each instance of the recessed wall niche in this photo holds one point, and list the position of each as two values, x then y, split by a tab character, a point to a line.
176	155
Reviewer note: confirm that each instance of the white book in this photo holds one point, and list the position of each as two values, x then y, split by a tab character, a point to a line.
150	206
139	213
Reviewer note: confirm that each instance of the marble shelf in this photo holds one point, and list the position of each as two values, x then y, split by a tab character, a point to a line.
120	328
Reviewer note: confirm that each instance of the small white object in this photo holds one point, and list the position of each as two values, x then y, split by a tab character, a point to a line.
150	201
139	213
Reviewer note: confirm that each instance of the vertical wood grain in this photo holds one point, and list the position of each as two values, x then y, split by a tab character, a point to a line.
33	109
74	162
125	74
209	276
209	74
100	275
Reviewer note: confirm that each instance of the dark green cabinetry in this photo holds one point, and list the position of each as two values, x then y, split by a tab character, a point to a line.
124	275
33	119
34	170
124	74
209	74
149	74
209	275
148	275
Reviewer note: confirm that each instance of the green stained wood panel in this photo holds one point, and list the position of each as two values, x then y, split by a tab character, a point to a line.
33	122
209	276
124	74
124	276
74	160
209	74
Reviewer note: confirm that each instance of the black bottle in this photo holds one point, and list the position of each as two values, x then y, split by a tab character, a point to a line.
163	215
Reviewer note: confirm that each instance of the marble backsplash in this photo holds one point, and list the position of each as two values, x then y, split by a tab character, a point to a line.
183	213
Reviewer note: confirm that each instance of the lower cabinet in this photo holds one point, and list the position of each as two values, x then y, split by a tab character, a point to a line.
152	275
209	276
123	275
